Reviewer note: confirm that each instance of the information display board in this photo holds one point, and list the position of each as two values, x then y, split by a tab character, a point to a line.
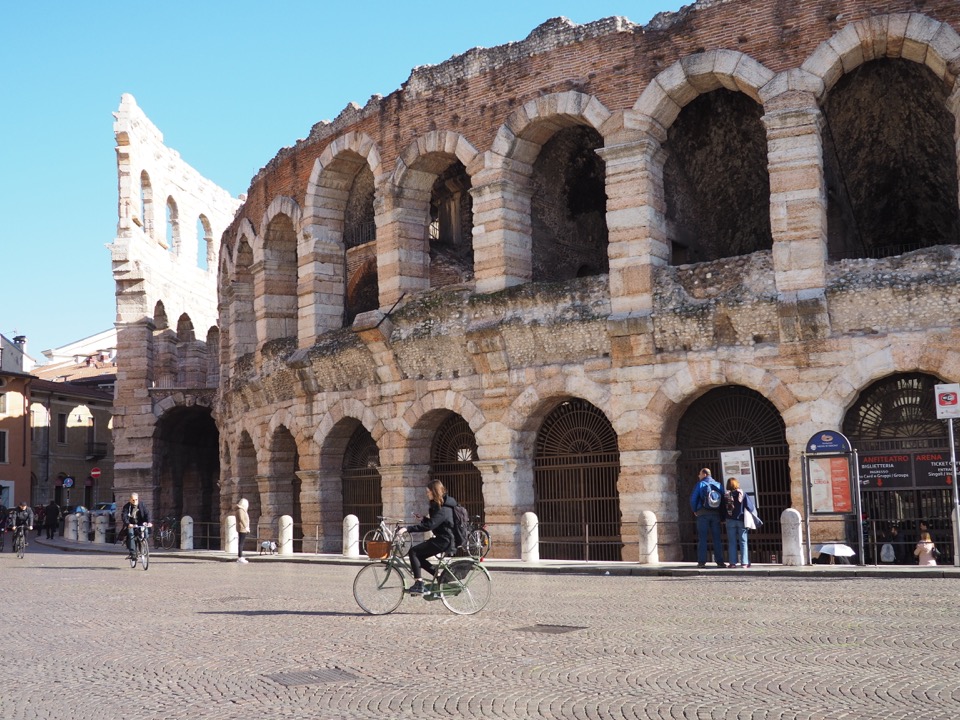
830	488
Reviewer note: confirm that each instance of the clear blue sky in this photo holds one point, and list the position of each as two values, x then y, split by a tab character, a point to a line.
227	82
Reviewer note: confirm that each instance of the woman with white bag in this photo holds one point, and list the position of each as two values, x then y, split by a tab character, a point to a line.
739	512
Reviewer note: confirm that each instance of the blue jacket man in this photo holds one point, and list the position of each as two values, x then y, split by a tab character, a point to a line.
708	518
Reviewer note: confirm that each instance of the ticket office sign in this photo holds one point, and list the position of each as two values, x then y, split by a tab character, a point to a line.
894	471
831	491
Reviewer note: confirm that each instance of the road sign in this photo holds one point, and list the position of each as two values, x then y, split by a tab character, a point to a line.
68	482
95	473
948	401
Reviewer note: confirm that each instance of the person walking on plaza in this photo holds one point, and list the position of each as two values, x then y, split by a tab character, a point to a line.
735	504
243	528
705	501
926	551
134	513
440	523
51	519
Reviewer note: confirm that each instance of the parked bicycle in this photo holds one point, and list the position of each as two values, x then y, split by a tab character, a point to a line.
386	534
478	539
461	584
167	532
141	544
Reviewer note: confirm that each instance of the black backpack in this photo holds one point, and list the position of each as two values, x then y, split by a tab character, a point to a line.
461	520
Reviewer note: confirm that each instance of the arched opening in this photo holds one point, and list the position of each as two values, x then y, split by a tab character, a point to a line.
173	227
715	179
452	455
359	226
451	227
363	292
890	162
278	306
247	485
146	203
904	457
243	328
360	480
569	206
187	462
575	471
285	487
733	418
205	254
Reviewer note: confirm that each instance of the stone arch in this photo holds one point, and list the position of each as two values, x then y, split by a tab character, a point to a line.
348	408
911	36
146	203
666	95
276	271
418	422
206	252
340	206
172	238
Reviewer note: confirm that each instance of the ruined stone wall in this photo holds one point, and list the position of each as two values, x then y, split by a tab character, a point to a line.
641	342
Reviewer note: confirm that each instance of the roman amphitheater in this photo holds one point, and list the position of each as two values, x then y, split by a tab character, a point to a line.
560	275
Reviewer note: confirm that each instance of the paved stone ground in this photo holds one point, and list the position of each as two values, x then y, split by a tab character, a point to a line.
87	637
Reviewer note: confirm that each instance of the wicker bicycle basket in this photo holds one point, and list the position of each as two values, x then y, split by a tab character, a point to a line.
378	550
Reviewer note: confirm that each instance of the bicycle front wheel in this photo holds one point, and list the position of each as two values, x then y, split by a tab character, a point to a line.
378	588
20	544
167	538
478	543
469	593
145	553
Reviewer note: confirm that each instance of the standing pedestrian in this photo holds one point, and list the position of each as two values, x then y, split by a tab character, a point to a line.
243	527
705	501
735	504
51	519
926	551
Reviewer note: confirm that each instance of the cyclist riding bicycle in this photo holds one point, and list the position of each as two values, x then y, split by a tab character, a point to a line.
440	523
133	514
22	517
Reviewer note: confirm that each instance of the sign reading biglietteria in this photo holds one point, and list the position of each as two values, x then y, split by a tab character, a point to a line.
947	400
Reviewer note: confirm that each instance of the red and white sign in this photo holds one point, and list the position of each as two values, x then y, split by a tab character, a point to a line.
948	401
95	473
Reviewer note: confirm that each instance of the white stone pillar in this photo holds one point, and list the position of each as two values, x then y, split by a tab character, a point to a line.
100	529
647	529
530	538
791	529
285	539
83	527
70	527
351	536
186	533
230	536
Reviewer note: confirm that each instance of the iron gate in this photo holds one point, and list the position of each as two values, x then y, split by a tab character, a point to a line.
361	480
575	472
451	462
726	418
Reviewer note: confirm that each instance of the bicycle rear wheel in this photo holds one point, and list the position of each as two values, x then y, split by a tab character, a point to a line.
378	588
168	538
144	548
470	592
478	543
372	536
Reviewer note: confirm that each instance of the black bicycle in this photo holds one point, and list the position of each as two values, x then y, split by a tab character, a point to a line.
166	533
20	540
478	539
141	544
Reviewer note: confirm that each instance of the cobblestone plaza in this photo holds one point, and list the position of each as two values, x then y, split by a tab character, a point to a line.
87	637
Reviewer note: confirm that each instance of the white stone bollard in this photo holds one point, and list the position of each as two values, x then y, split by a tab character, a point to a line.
83	527
285	536
530	538
649	545
791	531
100	529
230	536
351	536
186	533
70	527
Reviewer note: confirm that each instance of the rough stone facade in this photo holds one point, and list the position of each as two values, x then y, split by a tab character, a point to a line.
731	135
164	264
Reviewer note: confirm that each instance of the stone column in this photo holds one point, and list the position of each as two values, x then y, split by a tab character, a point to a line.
329	509
798	212
403	254
310	509
320	285
402	487
502	231
507	494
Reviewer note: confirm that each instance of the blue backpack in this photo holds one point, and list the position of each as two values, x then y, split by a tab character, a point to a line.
712	497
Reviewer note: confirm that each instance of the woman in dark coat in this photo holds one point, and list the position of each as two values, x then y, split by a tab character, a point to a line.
51	519
440	523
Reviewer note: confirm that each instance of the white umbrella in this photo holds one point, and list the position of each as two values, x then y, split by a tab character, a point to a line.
835	549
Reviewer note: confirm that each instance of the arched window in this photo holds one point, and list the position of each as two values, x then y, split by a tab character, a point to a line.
173	227
146	203
205	252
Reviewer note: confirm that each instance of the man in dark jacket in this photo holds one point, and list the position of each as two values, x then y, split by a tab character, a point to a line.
440	523
133	514
708	517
